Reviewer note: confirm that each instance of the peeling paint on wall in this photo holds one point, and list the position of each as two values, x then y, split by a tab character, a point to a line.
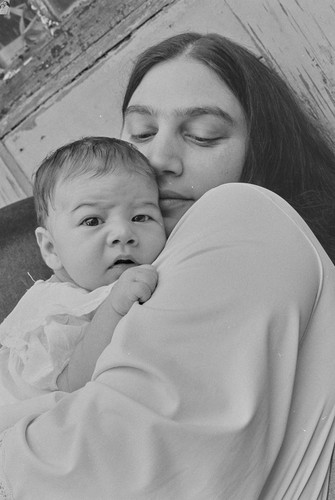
296	38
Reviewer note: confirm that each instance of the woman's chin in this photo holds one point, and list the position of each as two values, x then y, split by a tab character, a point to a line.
174	207
172	217
169	224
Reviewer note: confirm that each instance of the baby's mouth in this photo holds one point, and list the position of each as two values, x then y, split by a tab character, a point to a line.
123	261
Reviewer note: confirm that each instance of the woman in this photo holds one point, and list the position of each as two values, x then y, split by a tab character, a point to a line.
221	385
280	147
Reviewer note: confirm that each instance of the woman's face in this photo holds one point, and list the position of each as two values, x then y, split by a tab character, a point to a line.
191	128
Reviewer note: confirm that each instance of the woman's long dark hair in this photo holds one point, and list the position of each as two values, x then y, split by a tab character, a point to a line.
288	152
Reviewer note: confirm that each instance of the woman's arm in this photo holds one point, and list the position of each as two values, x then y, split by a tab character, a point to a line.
220	386
10	414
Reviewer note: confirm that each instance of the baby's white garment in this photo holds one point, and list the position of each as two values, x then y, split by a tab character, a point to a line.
40	335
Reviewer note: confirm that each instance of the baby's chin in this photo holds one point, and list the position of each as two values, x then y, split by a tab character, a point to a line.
111	275
115	271
63	277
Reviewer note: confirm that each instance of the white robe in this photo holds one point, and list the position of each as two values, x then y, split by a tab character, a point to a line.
221	386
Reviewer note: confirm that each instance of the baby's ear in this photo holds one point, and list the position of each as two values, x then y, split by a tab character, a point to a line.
47	247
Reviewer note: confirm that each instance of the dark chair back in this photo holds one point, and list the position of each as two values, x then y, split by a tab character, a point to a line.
19	253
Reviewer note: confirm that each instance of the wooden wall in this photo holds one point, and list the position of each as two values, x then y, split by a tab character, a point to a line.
74	85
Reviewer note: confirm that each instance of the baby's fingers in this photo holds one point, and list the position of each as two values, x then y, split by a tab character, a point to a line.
148	275
142	291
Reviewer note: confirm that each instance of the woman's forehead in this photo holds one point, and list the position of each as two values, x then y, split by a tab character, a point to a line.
184	84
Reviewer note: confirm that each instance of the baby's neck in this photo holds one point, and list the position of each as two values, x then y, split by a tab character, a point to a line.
56	279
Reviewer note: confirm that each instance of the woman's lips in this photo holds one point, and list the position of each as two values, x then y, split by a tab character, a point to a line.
170	201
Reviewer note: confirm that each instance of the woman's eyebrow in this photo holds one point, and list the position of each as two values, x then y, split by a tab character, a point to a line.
207	110
191	112
139	109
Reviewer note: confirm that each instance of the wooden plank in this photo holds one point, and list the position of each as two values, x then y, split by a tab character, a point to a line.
298	40
23	184
87	35
10	191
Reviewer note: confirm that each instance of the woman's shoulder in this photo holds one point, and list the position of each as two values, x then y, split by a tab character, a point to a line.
260	206
249	223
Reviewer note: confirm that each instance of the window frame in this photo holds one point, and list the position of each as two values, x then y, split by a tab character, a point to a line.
87	33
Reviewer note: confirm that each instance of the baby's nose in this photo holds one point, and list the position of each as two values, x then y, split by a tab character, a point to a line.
121	235
123	241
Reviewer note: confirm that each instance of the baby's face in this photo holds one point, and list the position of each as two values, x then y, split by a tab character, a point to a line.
102	225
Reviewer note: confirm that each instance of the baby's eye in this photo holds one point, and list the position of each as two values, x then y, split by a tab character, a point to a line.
141	218
91	221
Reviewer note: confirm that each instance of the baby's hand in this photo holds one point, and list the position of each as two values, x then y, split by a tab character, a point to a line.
136	284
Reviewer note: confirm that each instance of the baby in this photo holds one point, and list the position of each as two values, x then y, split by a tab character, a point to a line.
100	228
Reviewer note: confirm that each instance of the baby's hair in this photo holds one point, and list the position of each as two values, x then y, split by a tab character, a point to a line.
96	156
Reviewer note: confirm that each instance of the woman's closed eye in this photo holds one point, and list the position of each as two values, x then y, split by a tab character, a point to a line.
141	137
205	130
91	221
139	127
203	141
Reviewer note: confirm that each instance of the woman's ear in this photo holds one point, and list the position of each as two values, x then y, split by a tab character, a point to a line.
48	250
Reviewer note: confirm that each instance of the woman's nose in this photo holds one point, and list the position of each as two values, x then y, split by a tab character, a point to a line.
122	235
165	155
